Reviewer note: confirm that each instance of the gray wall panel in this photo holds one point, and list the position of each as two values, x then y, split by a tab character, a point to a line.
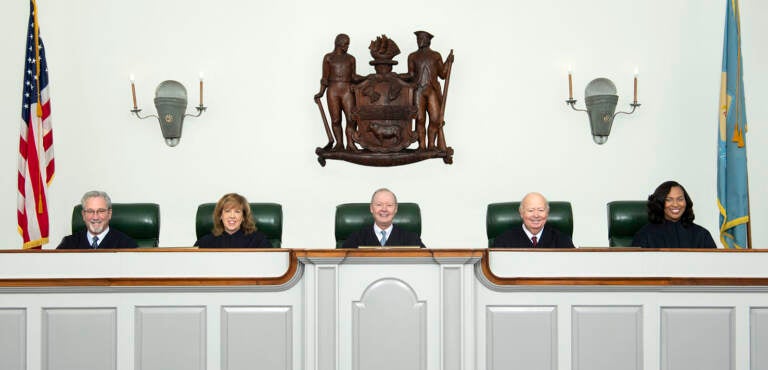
522	338
389	327
170	338
13	339
256	337
79	338
326	317
697	338
452	303
758	338
607	338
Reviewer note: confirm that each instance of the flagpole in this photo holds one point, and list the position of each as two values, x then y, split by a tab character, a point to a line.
39	132
37	61
739	87
749	222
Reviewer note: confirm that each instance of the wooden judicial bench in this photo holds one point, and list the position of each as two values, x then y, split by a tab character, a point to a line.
369	309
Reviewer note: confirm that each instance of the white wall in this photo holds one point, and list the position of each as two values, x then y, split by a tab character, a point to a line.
506	116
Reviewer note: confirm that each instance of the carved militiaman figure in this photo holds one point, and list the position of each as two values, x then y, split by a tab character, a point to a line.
338	77
424	67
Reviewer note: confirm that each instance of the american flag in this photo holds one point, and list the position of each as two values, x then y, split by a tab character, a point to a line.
36	165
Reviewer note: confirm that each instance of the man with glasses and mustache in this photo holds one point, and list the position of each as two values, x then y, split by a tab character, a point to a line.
97	211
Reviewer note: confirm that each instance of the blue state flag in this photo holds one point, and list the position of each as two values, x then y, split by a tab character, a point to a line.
732	184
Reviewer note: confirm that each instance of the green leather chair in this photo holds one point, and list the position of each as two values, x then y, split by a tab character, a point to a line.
140	221
351	217
267	216
625	218
503	216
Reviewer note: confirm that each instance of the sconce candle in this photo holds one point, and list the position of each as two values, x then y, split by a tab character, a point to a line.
201	89
570	83
636	73
133	92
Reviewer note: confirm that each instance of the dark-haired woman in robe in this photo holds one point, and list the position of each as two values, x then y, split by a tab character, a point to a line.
670	212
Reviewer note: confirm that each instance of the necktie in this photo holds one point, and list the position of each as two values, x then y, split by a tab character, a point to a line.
95	243
533	240
383	237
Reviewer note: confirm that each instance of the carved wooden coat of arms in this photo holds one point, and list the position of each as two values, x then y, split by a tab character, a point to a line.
385	113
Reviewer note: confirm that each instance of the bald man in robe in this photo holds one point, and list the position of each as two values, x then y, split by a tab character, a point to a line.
534	232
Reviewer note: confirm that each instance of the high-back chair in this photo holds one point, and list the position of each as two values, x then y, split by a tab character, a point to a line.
503	216
140	221
625	218
351	217
267	216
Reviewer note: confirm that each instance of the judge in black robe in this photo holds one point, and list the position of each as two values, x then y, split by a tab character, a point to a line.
517	238
670	212
534	211
96	213
233	226
114	239
383	208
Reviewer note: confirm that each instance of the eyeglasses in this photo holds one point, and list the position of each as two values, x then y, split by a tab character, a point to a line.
91	212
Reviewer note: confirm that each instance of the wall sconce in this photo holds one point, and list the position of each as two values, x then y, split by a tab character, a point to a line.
171	105
600	99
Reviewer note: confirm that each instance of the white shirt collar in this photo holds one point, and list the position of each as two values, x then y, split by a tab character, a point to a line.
101	236
377	230
531	235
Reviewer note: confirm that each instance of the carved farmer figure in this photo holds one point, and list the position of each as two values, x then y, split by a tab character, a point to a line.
424	67
338	76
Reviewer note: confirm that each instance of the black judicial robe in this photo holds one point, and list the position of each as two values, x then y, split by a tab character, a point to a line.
399	237
516	238
670	234
239	239
115	239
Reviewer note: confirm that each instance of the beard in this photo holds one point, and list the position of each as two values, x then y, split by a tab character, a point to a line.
97	227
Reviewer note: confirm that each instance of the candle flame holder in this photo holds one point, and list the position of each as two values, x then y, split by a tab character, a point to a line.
600	100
